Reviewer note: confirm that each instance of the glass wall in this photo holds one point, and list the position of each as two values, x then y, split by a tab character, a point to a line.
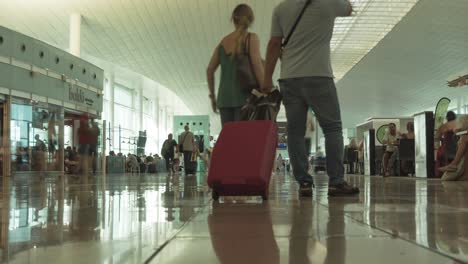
149	124
125	120
35	137
133	112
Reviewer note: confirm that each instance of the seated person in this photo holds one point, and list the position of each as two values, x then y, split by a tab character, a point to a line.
131	162
71	161
444	132
390	140
450	125
462	147
149	159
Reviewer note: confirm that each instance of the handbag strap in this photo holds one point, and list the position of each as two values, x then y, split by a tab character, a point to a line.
286	40
247	49
247	45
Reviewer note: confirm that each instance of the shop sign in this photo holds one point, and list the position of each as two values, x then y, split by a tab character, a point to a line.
80	96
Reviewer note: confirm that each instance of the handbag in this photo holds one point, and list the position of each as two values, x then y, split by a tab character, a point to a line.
261	106
244	68
288	37
181	145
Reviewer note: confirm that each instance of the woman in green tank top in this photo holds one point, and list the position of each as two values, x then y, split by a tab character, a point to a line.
231	97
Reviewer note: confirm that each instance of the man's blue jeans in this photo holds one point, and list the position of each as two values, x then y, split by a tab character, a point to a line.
320	94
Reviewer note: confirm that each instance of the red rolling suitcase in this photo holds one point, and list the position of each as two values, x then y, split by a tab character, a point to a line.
242	159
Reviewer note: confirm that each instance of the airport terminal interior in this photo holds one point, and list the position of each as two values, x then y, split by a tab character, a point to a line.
91	89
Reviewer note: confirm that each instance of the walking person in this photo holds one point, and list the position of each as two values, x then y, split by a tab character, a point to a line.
307	80
39	151
168	152
187	141
231	94
94	132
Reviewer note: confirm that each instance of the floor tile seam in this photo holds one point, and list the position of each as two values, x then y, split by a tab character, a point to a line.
317	238
398	237
174	236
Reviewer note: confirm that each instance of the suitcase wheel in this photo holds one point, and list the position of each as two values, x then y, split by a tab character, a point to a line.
214	195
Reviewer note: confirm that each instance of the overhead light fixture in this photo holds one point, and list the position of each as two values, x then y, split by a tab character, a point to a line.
458	82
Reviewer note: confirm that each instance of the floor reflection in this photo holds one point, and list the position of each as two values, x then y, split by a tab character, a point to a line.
242	233
131	214
124	219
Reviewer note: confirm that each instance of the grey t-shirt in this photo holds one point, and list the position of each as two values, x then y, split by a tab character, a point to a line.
308	51
187	139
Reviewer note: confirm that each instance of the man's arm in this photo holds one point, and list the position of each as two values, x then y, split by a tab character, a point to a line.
272	56
273	51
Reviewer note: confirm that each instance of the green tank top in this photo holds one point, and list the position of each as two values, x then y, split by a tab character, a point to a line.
230	93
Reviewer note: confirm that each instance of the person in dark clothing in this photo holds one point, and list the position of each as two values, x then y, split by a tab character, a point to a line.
39	154
94	133
168	151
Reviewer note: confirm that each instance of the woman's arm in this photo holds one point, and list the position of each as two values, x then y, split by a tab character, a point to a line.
210	75
256	58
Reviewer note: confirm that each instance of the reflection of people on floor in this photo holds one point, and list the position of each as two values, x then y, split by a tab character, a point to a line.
336	225
189	195
232	237
301	220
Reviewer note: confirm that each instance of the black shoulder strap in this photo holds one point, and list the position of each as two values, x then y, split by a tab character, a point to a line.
286	40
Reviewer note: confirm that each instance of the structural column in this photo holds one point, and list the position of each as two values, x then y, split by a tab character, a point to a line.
156	120
75	34
140	110
111	83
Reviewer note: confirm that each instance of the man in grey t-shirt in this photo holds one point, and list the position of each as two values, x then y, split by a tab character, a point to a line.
307	80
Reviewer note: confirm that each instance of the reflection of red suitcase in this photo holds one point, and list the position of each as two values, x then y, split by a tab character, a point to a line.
235	240
242	160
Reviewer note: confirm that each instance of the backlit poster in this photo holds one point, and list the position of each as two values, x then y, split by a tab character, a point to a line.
420	145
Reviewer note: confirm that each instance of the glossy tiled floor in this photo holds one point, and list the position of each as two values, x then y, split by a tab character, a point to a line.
170	219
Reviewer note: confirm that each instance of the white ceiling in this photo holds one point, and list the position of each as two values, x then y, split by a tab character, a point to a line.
406	72
171	41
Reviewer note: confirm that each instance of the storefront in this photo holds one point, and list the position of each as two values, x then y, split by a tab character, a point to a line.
50	104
